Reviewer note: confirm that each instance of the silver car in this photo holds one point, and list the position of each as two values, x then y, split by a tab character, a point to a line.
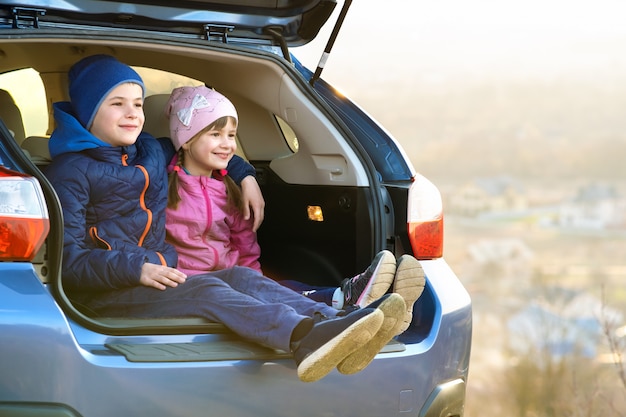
311	147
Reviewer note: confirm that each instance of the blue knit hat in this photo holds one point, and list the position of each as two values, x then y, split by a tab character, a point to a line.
91	79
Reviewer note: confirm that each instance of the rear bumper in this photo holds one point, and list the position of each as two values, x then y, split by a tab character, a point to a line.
446	400
56	361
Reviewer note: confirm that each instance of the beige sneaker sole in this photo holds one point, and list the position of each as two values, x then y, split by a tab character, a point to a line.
409	283
319	363
394	309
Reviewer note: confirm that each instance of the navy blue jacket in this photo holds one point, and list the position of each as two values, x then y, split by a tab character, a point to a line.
113	201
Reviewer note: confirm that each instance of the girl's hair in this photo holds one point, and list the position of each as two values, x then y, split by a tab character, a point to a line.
234	201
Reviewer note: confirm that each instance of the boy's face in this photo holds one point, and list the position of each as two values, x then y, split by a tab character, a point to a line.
120	118
211	150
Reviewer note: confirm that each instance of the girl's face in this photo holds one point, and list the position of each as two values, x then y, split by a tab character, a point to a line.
120	118
211	150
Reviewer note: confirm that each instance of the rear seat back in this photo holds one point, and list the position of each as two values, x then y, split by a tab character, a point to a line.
37	148
156	123
12	116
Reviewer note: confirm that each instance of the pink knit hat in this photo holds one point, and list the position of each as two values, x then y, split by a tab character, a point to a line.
191	109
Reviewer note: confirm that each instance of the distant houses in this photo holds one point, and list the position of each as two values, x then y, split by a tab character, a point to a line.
508	260
595	206
488	195
509	251
592	206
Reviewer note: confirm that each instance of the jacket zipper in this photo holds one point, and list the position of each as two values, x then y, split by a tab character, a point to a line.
142	199
209	220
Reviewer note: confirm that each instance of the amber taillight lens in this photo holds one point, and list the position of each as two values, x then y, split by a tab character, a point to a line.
425	219
24	222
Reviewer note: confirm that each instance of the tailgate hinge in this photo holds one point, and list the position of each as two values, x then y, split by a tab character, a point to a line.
26	14
277	34
217	31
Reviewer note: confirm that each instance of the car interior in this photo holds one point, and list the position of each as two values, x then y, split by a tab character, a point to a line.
301	158
304	164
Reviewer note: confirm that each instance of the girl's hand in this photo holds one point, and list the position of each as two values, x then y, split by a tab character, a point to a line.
160	277
252	199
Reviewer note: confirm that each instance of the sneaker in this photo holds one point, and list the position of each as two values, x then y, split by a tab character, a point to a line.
409	283
393	308
330	341
371	284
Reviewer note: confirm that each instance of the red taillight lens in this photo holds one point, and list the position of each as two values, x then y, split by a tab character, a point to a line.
24	222
425	219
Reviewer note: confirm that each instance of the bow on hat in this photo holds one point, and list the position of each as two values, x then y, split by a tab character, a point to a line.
185	114
191	109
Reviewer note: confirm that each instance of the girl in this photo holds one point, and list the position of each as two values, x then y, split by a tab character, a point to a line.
204	220
203	126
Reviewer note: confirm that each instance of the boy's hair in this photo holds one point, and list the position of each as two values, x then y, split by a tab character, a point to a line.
234	200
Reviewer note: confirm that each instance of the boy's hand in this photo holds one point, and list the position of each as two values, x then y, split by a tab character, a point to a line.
252	199
160	277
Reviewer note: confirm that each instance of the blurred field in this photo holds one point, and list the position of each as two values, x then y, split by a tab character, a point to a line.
532	90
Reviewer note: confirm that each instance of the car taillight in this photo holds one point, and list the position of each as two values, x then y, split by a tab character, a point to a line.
24	222
425	219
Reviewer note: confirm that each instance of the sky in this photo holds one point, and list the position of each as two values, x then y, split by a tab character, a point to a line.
432	39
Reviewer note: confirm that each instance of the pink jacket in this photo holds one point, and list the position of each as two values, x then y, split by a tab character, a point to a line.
206	236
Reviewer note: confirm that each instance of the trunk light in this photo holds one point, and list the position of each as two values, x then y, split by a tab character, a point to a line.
315	213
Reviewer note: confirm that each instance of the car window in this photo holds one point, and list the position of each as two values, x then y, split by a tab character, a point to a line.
288	134
27	91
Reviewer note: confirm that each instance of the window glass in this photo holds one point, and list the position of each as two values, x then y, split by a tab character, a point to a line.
27	90
288	134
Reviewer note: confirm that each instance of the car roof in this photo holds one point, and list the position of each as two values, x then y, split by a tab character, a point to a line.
296	22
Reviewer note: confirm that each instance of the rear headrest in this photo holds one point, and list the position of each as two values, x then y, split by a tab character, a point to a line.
11	115
156	123
37	148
